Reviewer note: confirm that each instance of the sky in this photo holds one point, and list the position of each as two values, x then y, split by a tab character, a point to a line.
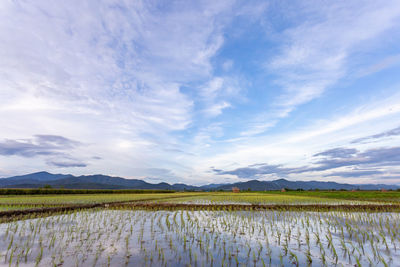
201	92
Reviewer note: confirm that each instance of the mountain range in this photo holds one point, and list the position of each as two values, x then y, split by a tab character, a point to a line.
98	181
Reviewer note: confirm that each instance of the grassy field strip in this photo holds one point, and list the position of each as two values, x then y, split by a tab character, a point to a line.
389	196
266	198
80	199
16	207
57	200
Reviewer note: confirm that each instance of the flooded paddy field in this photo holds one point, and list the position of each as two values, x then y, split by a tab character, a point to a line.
106	237
201	229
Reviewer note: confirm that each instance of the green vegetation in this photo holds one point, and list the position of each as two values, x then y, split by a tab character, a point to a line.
256	198
389	196
82	199
16	207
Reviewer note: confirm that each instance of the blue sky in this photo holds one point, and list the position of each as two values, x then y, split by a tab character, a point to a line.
201	92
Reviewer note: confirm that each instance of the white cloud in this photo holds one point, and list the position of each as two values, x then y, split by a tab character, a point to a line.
143	84
315	53
380	65
216	94
320	46
216	109
105	72
296	147
227	65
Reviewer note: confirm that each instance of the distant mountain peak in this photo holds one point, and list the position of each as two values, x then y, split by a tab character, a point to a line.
42	172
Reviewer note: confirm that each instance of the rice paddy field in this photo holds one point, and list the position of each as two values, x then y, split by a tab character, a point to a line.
201	229
262	198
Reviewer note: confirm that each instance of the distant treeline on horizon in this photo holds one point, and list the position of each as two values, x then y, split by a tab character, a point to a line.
56	191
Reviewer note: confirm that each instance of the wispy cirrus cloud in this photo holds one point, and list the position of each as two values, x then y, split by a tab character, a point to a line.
109	73
316	52
318	47
116	74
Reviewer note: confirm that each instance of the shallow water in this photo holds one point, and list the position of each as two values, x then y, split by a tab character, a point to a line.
202	238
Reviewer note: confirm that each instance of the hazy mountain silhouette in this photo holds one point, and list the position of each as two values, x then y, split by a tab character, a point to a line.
98	181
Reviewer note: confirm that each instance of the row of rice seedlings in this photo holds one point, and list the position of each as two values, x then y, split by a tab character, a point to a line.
82	199
8	207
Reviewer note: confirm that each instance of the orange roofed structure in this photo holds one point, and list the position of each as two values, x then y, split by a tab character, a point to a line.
235	189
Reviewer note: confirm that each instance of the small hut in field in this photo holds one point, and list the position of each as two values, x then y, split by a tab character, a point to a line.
383	190
235	189
283	190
